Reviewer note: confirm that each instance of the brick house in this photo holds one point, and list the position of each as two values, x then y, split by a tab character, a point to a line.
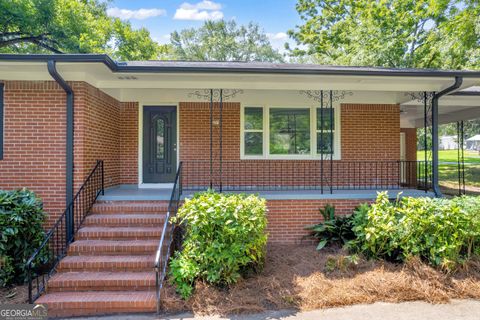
301	136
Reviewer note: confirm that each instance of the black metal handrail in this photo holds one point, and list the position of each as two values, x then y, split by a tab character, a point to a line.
287	175
41	265
164	246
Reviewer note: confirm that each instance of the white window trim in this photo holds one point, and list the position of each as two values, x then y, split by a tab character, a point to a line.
313	134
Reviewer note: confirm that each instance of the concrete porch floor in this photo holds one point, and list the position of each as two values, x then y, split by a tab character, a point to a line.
134	193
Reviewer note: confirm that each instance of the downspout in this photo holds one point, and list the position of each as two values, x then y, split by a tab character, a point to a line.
52	69
436	97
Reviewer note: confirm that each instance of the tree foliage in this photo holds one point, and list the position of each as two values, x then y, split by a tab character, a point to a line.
70	26
390	33
223	41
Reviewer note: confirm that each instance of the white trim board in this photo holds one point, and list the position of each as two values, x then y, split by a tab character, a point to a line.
313	139
141	105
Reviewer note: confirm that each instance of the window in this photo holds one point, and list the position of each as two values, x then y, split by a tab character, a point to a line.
1	121
253	131
289	133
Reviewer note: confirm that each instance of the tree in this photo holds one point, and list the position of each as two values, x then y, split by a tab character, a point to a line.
224	41
70	26
390	33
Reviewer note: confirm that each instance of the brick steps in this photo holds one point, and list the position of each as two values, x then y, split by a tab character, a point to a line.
102	281
68	304
106	263
119	233
109	266
113	247
124	220
116	207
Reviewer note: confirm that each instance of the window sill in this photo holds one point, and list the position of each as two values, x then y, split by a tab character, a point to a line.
300	157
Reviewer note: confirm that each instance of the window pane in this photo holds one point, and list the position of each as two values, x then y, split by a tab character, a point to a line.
253	118
160	155
253	143
289	131
327	118
326	142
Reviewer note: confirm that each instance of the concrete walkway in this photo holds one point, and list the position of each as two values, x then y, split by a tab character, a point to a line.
457	309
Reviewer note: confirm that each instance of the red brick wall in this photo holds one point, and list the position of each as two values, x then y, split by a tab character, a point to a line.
287	218
368	132
105	129
97	134
35	135
129	142
410	143
34	141
195	131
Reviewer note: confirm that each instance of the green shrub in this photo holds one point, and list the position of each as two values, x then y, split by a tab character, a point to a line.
224	238
441	231
333	229
21	233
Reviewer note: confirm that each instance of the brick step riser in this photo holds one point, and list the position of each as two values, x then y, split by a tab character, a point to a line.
105	269
129	209
121	224
117	237
126	222
112	253
120	211
77	288
65	310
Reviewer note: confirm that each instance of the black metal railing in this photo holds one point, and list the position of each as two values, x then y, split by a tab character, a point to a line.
165	244
281	175
41	265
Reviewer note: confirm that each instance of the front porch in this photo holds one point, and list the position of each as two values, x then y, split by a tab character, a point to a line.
130	192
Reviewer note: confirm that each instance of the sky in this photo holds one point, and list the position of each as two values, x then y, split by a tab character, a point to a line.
161	17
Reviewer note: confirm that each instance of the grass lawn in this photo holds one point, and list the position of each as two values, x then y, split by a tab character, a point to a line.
451	156
448	169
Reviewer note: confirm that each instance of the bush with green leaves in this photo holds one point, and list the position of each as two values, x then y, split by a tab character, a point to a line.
444	232
225	237
333	229
21	233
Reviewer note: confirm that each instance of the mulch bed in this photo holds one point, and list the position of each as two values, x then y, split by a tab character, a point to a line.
299	277
14	295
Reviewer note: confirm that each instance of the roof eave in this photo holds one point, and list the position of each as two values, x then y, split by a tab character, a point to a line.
119	68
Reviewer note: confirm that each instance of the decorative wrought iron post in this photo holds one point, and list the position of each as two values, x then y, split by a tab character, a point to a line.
216	97
211	138
322	96
220	151
426	98
321	141
330	151
425	142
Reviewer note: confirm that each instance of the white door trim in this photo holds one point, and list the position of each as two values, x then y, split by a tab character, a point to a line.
141	106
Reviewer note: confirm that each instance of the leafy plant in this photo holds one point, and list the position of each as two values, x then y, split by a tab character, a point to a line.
341	263
441	231
21	233
225	237
333	229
